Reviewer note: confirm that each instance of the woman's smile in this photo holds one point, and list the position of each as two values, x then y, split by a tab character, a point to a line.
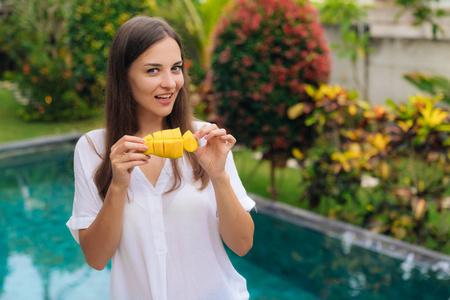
164	99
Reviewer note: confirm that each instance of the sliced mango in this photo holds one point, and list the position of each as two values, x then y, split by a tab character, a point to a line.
158	135
178	147
170	143
176	132
149	144
168	148
158	145
148	137
167	134
189	142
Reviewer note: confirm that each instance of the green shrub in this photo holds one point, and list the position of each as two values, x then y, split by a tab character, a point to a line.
432	84
50	94
60	51
91	28
34	36
264	53
384	168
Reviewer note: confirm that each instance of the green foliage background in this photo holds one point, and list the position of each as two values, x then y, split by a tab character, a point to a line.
91	29
59	51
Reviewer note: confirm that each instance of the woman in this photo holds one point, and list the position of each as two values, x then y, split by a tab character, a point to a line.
161	221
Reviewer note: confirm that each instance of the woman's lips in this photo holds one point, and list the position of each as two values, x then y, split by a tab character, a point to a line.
164	99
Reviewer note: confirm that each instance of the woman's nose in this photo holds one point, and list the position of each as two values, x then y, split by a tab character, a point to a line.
168	80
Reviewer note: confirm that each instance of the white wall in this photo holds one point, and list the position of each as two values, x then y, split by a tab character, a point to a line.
398	48
392	58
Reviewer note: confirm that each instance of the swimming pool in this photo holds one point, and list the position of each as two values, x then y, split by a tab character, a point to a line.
40	260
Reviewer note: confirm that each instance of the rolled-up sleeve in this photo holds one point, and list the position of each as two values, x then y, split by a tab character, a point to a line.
87	202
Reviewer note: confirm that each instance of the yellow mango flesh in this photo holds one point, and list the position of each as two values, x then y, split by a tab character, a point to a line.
158	145
178	147
176	132
148	137
189	142
150	149
170	143
167	134
158	135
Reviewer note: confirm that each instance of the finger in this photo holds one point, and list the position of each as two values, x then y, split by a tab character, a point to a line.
215	133
118	146
229	139
131	156
121	168
204	130
132	146
128	146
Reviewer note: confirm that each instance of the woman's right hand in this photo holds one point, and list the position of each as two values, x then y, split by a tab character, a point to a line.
125	155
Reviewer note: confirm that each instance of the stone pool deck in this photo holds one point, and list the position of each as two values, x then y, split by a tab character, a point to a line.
348	234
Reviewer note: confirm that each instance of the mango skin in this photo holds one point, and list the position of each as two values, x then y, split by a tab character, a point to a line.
169	143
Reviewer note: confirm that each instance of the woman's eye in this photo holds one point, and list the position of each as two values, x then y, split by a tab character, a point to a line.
152	71
176	68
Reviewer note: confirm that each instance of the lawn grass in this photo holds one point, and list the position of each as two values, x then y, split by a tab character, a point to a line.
255	176
13	128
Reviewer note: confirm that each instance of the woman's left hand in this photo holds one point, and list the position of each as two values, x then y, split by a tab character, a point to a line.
213	155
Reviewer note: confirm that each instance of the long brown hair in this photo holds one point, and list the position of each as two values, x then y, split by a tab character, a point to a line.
132	39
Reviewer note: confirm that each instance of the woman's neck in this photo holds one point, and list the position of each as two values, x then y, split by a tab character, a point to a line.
149	127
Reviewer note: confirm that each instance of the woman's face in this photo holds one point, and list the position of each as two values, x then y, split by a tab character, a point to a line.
156	78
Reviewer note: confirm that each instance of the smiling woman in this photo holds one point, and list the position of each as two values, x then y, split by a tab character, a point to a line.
163	222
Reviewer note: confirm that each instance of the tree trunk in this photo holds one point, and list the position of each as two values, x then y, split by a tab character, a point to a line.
273	190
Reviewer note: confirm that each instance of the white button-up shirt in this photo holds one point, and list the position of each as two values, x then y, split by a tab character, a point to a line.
170	246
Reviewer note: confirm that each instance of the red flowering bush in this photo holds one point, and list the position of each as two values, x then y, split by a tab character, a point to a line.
264	54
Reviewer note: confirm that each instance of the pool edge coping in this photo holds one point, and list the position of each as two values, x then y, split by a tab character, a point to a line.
36	142
358	236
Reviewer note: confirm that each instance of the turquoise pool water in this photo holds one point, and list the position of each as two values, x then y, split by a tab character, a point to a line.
40	260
